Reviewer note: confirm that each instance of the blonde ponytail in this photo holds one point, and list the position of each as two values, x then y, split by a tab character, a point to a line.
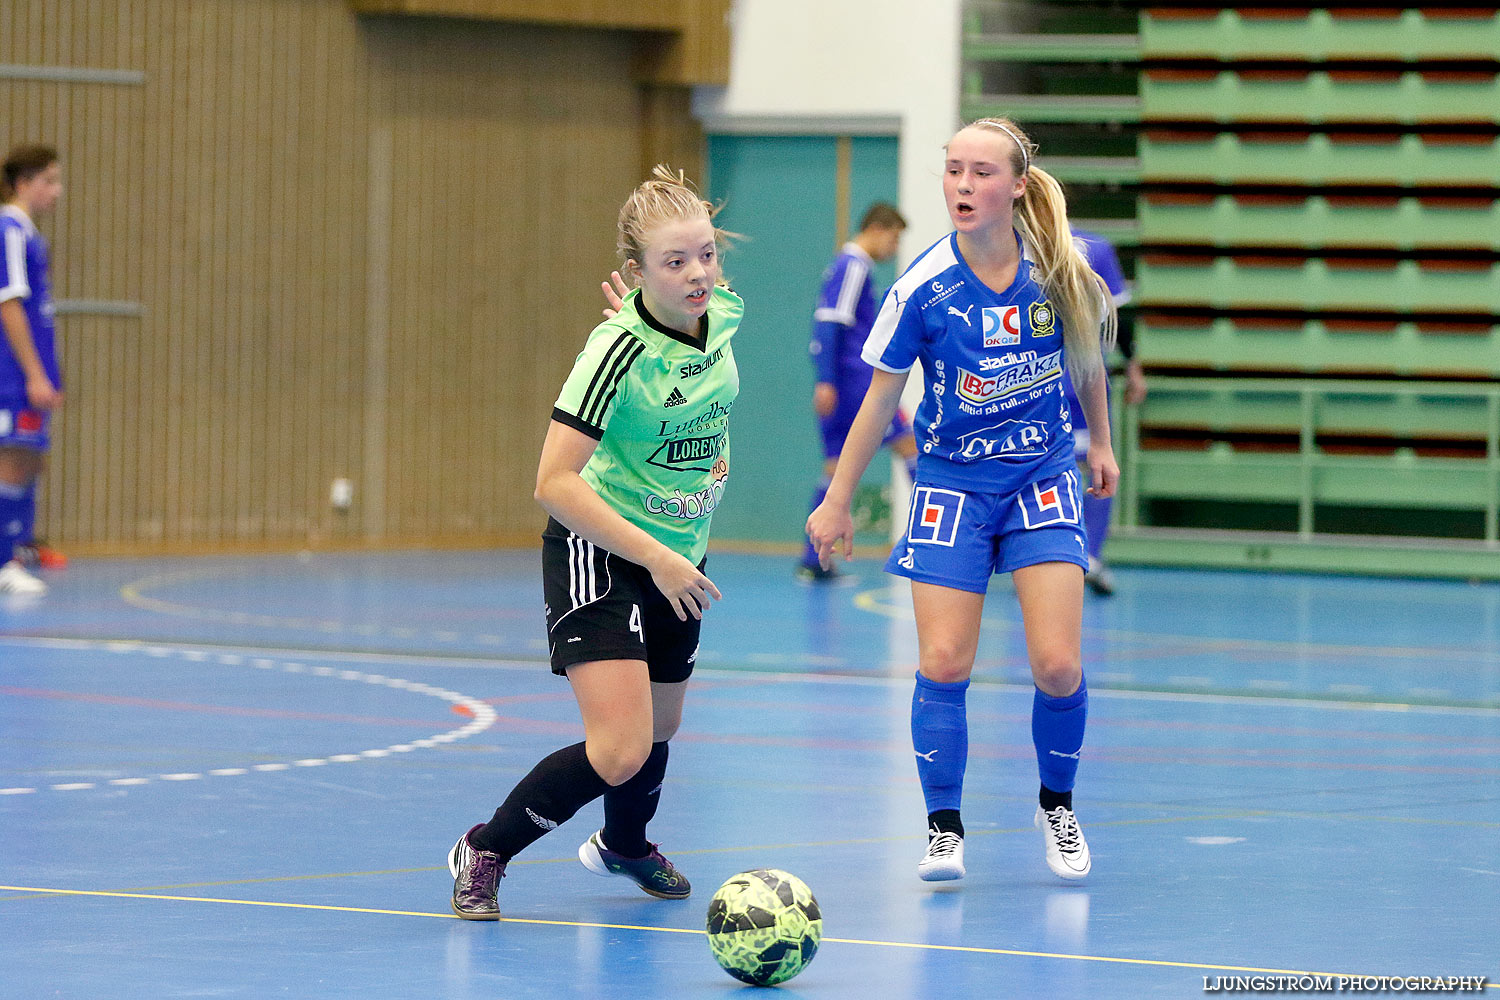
1088	311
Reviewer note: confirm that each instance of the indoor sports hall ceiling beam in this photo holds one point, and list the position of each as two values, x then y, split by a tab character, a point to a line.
682	42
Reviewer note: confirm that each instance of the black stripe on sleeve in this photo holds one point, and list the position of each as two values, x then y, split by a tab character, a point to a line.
596	403
604	377
616	386
577	423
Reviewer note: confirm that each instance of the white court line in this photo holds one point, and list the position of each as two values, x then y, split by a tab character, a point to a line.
449	661
482	714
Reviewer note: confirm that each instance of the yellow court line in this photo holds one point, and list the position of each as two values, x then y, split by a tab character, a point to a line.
334	909
847	842
131	593
969	949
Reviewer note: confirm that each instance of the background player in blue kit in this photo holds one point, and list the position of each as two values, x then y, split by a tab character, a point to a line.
845	312
30	382
1096	509
993	311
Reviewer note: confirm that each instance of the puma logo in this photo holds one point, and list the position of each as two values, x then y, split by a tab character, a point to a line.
963	315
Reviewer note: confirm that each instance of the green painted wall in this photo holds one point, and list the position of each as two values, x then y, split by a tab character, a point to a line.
779	192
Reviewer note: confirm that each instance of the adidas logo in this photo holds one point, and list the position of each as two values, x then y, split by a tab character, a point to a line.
541	821
676	398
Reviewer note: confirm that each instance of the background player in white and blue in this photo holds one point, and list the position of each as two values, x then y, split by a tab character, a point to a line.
1096	509
841	323
993	311
30	381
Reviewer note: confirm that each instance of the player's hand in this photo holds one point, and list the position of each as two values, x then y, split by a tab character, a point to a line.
825	399
826	526
614	293
1103	472
42	394
1135	383
687	590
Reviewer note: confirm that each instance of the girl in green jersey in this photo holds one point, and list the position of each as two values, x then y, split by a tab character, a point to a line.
635	461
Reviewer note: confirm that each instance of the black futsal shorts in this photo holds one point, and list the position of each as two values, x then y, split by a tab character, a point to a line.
603	607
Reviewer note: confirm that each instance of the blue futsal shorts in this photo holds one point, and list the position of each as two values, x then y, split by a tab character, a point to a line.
23	427
959	539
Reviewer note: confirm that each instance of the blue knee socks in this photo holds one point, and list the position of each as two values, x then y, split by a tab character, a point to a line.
940	738
28	514
13	519
1057	731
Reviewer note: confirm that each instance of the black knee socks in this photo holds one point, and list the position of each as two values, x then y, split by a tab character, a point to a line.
556	788
629	807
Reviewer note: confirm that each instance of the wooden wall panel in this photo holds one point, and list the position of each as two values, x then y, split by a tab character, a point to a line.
216	198
657	14
309	245
507	179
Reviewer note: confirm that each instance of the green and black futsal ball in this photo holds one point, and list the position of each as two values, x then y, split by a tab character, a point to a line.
764	926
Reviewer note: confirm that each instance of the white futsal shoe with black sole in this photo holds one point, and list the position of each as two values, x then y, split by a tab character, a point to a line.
944	860
1067	851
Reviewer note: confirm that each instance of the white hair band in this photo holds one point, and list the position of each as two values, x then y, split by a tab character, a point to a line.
1025	156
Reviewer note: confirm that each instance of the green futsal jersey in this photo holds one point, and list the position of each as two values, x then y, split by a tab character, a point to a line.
658	403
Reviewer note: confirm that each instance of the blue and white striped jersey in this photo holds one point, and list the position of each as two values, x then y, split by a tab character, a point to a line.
23	276
842	320
992	417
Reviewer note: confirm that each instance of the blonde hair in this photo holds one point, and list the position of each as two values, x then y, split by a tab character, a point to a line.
667	197
1090	321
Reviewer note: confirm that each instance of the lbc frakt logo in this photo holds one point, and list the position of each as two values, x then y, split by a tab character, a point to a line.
1002	326
1020	377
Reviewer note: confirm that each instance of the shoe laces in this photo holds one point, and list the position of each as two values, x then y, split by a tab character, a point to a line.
665	870
1064	826
942	843
484	870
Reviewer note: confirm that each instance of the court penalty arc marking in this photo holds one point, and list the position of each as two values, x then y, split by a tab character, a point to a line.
483	714
133	594
911	945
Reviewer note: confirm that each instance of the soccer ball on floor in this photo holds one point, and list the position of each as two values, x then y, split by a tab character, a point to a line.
764	926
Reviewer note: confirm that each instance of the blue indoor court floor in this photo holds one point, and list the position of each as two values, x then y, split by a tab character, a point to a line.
239	777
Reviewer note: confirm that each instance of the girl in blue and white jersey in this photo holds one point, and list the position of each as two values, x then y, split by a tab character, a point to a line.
995	312
30	382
